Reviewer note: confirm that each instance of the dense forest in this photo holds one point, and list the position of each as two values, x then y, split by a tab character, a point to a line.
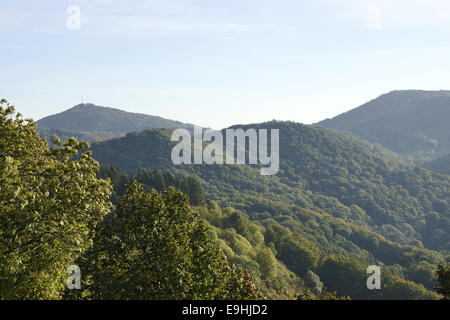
282	262
343	204
319	170
141	228
92	123
441	164
56	213
90	136
413	123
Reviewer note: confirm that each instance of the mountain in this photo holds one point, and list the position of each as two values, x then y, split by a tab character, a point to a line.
90	136
346	204
92	123
311	159
411	122
441	164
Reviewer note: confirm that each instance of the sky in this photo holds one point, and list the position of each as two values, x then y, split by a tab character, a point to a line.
216	63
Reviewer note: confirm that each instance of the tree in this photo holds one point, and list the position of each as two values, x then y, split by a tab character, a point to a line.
155	247
50	203
309	295
313	282
195	191
443	287
267	262
297	257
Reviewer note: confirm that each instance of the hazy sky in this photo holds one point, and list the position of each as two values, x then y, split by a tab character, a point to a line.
220	62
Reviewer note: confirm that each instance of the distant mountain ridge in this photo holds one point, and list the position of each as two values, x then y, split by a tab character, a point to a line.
331	193
338	195
96	123
313	160
441	164
410	122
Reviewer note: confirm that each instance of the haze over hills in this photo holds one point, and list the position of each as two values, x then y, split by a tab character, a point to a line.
411	122
95	123
441	164
335	194
344	195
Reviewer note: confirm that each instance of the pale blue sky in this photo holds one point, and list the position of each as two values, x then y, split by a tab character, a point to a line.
216	63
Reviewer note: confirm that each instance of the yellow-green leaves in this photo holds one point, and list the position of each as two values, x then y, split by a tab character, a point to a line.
155	247
50	202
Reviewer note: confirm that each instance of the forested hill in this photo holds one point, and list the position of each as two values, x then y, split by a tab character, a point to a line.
396	199
441	164
409	122
334	209
92	123
331	193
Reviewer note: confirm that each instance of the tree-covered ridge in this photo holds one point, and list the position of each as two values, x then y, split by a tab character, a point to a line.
410	122
55	214
284	238
154	247
441	165
285	263
50	204
154	179
90	136
443	286
93	123
130	253
242	241
337	200
319	170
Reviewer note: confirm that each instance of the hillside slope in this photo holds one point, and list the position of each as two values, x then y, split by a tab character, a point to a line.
441	164
284	262
317	168
331	194
408	122
95	123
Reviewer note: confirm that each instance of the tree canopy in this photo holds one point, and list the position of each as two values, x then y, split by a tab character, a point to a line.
443	287
155	247
50	202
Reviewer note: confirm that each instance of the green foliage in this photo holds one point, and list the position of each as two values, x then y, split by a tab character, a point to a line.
441	164
443	287
409	122
312	281
297	257
334	208
245	248
156	248
95	123
310	295
54	213
320	171
332	196
348	277
91	136
154	179
424	273
267	262
50	203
